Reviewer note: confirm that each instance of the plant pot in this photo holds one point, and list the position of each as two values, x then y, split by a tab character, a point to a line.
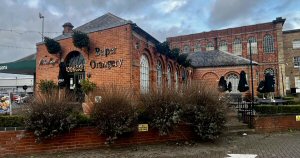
87	108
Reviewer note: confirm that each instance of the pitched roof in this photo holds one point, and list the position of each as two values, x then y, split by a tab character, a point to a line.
103	22
217	58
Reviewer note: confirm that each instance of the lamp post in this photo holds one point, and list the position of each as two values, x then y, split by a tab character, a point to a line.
42	17
252	92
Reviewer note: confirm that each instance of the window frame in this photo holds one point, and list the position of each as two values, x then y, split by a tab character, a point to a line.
209	45
237	42
144	74
223	44
252	40
268	44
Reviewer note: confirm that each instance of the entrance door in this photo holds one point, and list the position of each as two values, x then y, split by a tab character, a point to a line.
75	67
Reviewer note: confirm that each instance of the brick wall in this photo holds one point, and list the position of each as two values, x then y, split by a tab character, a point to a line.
118	37
22	142
130	47
265	60
289	54
211	76
276	123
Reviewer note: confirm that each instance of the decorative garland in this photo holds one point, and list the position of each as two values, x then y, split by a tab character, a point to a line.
53	46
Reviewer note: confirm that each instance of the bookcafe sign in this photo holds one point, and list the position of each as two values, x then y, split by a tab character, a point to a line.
106	64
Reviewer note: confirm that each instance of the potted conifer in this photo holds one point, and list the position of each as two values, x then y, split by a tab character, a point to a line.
87	87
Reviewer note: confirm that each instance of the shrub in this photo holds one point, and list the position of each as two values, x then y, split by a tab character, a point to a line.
274	109
47	116
161	110
80	40
182	60
47	86
11	121
87	86
53	46
204	111
114	115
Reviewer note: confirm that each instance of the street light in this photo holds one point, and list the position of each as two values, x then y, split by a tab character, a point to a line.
252	89
42	17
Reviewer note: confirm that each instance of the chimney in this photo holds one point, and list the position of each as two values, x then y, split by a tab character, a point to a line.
216	43
68	28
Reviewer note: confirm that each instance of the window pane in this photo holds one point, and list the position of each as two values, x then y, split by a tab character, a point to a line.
287	83
234	79
210	47
144	74
253	42
268	44
197	47
237	47
296	44
223	46
296	61
186	49
169	76
159	75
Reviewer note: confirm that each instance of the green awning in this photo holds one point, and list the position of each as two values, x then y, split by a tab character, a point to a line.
24	66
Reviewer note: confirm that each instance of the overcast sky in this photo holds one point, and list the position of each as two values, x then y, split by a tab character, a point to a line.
160	18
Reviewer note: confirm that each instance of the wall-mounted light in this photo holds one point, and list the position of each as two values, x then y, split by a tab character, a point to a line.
89	75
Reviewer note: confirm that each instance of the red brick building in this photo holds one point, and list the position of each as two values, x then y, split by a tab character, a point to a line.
266	43
121	53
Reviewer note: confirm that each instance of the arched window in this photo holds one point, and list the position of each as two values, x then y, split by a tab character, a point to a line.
169	76
197	48
269	71
234	79
176	80
159	75
186	49
253	42
210	46
223	46
237	47
144	74
268	44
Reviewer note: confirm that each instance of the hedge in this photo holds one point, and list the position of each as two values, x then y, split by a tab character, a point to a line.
11	121
275	109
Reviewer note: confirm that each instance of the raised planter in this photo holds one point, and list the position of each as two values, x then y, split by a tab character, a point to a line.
23	142
276	122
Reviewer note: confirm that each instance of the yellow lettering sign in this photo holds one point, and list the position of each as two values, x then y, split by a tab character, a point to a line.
297	117
143	127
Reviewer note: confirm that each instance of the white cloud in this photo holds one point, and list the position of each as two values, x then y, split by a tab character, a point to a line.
168	6
33	3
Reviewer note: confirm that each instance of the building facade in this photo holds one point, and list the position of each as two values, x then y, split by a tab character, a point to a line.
291	47
120	53
266	45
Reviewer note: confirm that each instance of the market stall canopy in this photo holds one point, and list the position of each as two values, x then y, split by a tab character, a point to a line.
25	66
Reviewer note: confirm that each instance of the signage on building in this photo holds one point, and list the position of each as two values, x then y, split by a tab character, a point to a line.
105	52
108	64
297	117
3	67
48	62
76	68
143	127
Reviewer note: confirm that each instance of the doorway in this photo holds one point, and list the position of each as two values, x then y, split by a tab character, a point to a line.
76	73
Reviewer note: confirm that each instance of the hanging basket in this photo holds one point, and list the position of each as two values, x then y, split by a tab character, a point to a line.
52	46
81	40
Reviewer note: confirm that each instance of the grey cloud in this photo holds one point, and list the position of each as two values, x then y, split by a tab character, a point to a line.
225	12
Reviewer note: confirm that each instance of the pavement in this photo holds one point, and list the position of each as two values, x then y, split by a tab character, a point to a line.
275	145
